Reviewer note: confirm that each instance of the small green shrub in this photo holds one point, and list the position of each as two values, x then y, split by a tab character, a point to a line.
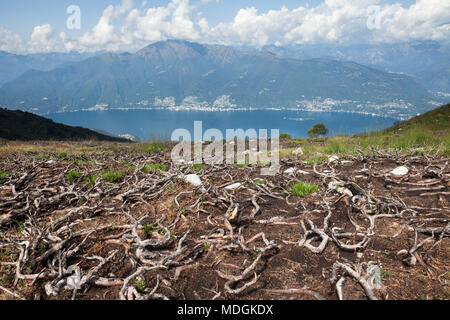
141	285
385	274
285	136
148	230
63	155
2	177
113	176
317	130
206	247
92	179
72	176
302	189
154	167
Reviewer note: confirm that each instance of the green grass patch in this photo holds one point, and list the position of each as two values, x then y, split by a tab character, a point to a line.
3	177
197	167
113	176
154	167
302	189
151	147
73	176
92	179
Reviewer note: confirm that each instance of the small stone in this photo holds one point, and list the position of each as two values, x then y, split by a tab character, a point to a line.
290	171
234	186
302	172
400	171
194	180
333	159
298	152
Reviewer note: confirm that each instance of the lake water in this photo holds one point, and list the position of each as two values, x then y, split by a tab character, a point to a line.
159	124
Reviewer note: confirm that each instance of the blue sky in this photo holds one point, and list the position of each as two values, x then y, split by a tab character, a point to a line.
127	24
22	16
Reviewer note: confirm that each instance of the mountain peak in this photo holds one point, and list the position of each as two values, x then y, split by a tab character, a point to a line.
181	49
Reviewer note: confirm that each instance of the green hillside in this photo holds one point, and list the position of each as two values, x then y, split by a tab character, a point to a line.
24	126
425	134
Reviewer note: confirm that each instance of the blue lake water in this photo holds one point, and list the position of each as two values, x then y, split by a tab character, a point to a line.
159	124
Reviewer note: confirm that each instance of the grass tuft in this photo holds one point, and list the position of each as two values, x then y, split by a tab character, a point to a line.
113	176
302	189
154	167
2	177
73	176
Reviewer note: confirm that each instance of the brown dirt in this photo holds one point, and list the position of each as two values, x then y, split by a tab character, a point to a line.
210	261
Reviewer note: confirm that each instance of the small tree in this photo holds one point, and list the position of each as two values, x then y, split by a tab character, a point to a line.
317	130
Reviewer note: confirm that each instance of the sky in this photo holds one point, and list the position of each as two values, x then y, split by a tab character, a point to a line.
30	26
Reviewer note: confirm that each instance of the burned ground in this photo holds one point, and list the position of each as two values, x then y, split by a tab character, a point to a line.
150	235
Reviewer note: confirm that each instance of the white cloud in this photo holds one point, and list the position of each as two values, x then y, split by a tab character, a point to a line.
10	41
126	27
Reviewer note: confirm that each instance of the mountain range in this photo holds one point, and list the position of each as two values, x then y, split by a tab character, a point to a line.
428	62
179	74
14	65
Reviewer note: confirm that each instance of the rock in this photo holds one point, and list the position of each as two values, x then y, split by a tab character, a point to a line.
339	187
400	171
333	159
295	171
195	181
298	152
234	186
290	171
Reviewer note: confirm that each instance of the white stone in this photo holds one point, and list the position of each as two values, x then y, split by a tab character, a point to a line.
295	171
233	186
400	171
194	180
333	159
290	171
298	152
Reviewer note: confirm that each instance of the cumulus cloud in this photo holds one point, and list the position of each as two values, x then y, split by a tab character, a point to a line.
129	27
10	41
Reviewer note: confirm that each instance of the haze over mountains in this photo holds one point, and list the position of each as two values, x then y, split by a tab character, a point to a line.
14	65
428	62
183	75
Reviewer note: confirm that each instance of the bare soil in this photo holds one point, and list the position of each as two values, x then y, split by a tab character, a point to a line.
153	236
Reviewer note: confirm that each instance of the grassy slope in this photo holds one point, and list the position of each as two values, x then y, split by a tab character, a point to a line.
428	133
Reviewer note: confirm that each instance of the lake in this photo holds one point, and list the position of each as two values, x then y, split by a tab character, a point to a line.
159	124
